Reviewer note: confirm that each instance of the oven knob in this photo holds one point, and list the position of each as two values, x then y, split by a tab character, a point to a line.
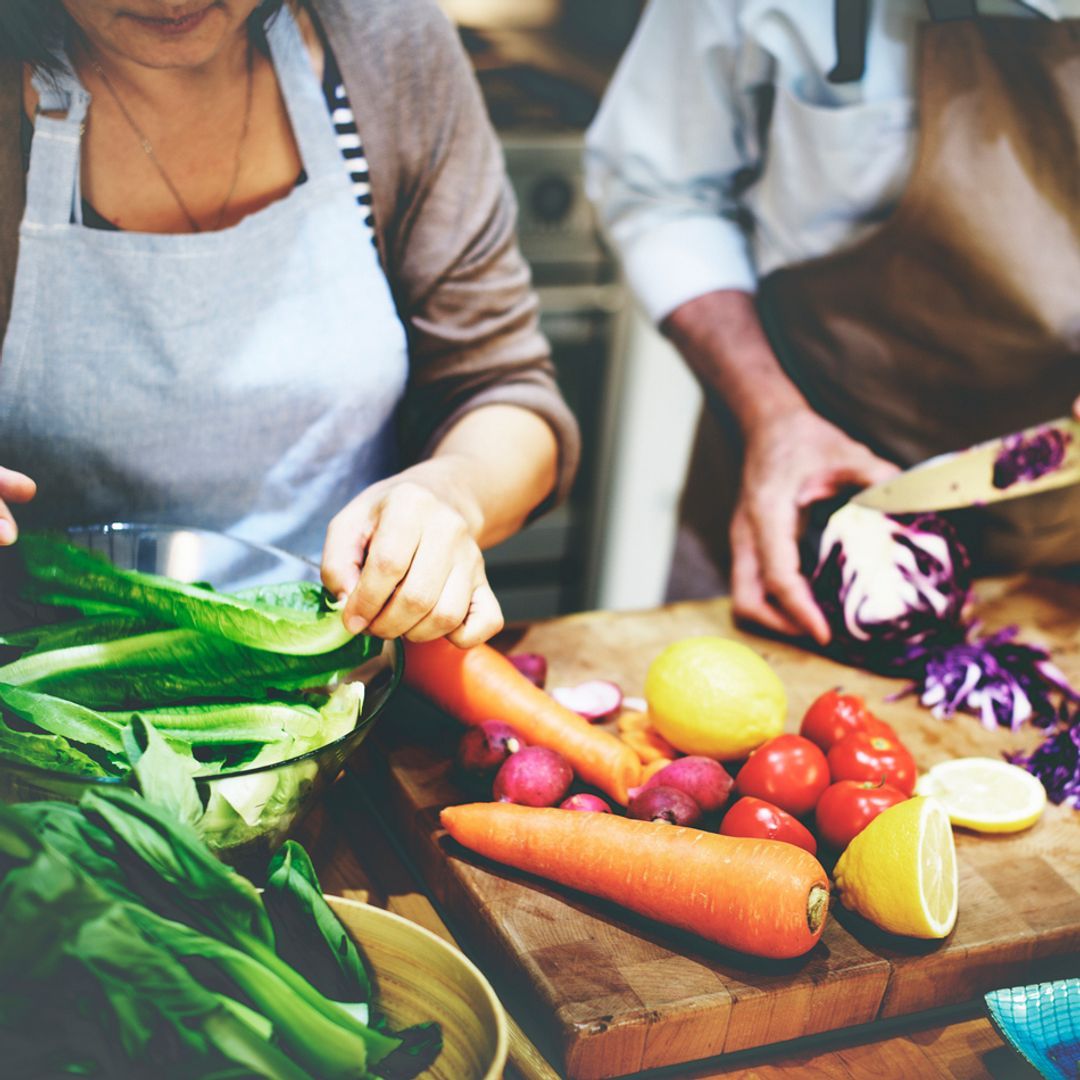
551	199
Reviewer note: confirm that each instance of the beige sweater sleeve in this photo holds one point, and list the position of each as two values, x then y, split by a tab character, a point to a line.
445	219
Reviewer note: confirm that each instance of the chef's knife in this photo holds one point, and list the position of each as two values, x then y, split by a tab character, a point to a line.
985	473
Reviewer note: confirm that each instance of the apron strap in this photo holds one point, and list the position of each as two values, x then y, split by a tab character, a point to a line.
850	18
52	184
312	124
948	10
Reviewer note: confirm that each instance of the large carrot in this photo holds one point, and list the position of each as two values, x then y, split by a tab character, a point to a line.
480	684
757	896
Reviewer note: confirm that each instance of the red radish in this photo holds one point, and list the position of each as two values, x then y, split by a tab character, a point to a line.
596	699
582	801
534	776
476	684
664	804
532	665
484	748
706	781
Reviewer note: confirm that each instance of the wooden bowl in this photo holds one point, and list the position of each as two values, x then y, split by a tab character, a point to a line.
421	977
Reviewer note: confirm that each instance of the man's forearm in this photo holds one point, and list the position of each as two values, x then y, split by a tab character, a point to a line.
720	336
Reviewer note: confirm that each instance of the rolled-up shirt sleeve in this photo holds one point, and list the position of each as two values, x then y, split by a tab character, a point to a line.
667	152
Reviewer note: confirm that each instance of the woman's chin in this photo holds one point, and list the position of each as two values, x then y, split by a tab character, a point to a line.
188	41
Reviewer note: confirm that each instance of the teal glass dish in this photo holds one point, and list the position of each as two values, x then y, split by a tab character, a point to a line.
1042	1023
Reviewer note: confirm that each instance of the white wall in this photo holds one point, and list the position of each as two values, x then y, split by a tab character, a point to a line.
657	414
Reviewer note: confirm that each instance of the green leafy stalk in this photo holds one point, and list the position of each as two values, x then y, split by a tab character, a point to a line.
162	865
82	990
309	935
52	752
230	724
331	1046
84	631
62	717
295	631
177	666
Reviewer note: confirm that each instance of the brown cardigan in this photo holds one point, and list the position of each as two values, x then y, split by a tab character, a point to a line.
444	220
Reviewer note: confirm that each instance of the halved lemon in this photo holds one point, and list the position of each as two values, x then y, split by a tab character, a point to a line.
985	794
900	872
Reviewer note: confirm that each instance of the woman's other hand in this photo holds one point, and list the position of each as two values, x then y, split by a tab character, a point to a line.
1076	408
407	551
15	487
792	460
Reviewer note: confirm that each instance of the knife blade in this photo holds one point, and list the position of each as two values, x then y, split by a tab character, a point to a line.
984	473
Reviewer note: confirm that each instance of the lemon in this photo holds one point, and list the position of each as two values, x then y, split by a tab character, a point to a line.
900	871
985	794
714	697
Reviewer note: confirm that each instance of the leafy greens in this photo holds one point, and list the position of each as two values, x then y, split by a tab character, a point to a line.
127	948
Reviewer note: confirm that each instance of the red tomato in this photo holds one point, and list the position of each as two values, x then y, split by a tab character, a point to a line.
848	806
763	821
834	715
877	758
788	771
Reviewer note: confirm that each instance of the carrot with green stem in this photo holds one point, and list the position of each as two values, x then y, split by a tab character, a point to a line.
756	896
479	684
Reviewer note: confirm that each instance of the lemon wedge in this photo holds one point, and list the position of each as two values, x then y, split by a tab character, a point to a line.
900	871
985	794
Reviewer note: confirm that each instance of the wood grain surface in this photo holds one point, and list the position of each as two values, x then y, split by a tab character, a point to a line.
610	994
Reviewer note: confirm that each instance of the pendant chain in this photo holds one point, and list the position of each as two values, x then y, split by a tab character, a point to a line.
148	148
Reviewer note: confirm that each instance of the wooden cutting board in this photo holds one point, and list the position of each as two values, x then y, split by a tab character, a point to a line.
606	993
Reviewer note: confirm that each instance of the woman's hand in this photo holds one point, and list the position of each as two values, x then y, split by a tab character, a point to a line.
405	554
792	460
1076	408
14	488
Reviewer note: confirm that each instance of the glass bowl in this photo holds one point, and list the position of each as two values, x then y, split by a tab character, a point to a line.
284	791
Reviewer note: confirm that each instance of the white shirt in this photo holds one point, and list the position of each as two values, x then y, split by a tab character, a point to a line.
695	197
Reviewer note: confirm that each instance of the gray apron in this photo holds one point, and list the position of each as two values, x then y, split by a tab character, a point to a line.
244	380
959	319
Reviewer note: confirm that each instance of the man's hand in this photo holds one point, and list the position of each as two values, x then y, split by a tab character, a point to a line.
14	488
404	552
792	460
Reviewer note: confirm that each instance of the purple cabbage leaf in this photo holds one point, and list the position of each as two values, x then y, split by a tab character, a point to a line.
891	588
1055	762
1004	682
1027	457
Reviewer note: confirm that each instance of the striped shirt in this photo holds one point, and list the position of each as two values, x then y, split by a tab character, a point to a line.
348	139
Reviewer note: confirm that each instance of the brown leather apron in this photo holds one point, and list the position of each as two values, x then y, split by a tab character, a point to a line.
959	319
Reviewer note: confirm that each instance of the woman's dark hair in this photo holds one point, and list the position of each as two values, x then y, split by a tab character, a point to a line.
33	31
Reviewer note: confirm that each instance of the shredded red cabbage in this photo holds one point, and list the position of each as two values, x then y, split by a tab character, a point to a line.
891	587
996	678
1029	457
1056	763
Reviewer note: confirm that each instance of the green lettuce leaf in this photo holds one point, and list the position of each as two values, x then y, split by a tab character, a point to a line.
51	561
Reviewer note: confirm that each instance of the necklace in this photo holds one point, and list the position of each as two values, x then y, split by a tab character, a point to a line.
148	148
